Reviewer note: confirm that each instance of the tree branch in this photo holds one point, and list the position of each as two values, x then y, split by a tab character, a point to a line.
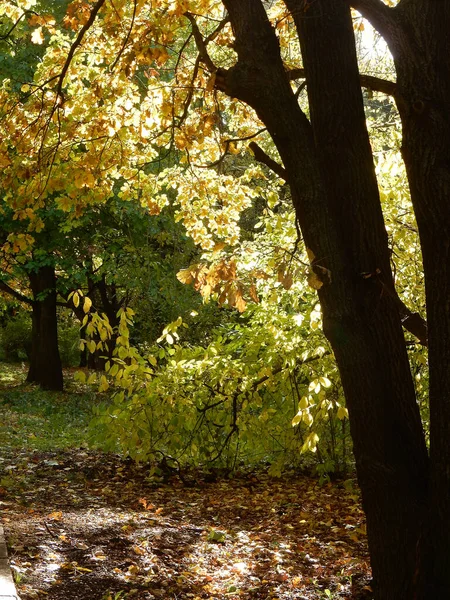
416	325
12	292
97	6
264	158
367	81
227	143
412	322
127	37
201	43
24	14
379	15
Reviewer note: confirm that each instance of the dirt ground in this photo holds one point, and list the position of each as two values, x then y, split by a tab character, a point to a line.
82	525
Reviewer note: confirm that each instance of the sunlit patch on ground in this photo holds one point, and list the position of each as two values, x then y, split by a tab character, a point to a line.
87	526
11	373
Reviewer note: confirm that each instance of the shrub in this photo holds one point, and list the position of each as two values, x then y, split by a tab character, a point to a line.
15	338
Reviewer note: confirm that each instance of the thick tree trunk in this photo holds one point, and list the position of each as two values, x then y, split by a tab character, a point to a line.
45	365
421	49
331	175
365	329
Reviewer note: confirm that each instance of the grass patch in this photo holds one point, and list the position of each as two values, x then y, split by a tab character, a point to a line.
31	418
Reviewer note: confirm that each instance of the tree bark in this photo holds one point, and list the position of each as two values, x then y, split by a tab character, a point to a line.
365	330
421	50
330	171
45	365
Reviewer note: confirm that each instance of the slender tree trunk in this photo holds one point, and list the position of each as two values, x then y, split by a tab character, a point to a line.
331	175
104	299
45	366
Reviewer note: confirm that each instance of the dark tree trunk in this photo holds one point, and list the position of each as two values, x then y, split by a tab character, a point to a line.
105	300
45	364
417	32
421	50
330	171
365	328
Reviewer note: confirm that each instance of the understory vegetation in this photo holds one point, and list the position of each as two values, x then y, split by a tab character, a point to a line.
91	525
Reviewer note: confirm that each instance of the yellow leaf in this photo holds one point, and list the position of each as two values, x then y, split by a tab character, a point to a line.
37	37
240	302
185	276
254	293
76	299
80	376
304	403
342	413
211	83
114	369
4	160
219	246
314	281
122	352
133	569
87	304
311	255
296	420
56	516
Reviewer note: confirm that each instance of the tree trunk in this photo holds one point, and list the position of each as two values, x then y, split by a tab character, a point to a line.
104	299
421	49
330	171
365	329
45	365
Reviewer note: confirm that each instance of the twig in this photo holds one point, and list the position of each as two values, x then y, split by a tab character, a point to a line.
127	37
49	530
97	6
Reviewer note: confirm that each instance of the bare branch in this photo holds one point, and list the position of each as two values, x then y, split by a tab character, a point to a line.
12	292
367	81
264	158
201	44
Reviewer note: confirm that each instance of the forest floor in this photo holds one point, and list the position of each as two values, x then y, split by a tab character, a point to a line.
85	525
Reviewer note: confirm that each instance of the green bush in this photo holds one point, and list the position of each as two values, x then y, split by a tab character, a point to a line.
15	338
68	340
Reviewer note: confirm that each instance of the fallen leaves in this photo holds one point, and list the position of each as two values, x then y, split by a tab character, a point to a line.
84	525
